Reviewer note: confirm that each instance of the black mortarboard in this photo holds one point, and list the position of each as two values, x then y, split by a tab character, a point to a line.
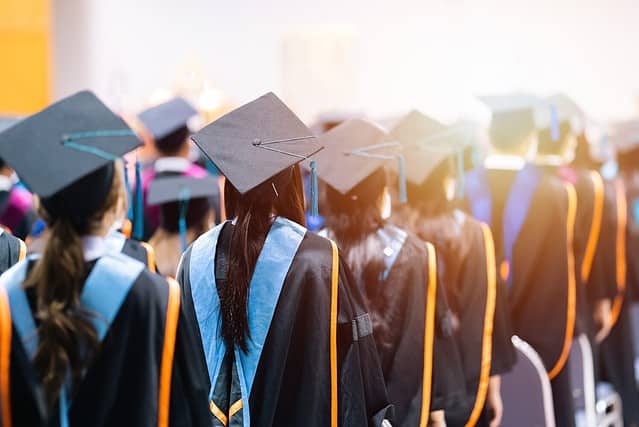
176	188
553	120
164	119
412	132
257	141
353	150
67	151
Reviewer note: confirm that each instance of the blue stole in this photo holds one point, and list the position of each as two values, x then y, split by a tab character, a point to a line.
515	210
273	263
393	238
104	292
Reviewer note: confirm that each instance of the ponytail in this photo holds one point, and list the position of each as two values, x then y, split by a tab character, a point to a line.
65	332
66	335
282	196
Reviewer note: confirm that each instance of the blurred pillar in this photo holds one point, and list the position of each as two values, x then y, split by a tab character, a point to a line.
71	40
319	71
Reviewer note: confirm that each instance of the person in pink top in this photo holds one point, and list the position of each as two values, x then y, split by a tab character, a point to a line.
16	203
167	124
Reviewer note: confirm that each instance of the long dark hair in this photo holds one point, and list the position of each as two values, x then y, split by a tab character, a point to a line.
430	215
283	196
65	332
353	221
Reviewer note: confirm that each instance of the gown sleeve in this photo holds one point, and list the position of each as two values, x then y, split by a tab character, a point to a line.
359	365
189	388
474	283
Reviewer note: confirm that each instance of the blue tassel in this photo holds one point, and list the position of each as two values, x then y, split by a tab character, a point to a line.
183	209
314	190
403	198
554	124
182	226
138	223
129	198
461	182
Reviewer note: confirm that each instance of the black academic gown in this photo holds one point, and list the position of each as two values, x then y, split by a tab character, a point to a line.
120	387
292	382
592	278
140	251
12	250
401	305
542	287
462	246
617	350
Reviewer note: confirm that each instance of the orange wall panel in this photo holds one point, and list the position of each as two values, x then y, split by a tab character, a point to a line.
25	66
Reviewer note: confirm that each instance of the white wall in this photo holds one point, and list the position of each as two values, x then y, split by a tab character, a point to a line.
431	54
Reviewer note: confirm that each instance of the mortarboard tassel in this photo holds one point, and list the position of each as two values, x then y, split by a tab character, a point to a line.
554	124
461	183
138	222
314	190
403	198
127	185
183	209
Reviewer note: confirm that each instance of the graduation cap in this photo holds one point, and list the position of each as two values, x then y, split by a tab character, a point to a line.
427	143
411	132
257	141
353	151
164	119
183	190
624	135
554	117
65	153
513	117
566	107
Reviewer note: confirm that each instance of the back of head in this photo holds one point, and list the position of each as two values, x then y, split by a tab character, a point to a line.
556	145
354	215
253	212
173	143
197	216
513	131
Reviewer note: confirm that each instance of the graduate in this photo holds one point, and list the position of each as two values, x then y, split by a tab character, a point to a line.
556	145
17	213
185	213
532	216
88	336
167	124
617	356
465	251
395	270
286	338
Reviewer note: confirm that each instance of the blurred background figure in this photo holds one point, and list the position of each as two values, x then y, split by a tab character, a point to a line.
167	124
394	270
185	213
465	249
17	213
523	207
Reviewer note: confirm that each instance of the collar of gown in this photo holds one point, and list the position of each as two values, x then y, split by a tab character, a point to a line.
94	247
171	164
